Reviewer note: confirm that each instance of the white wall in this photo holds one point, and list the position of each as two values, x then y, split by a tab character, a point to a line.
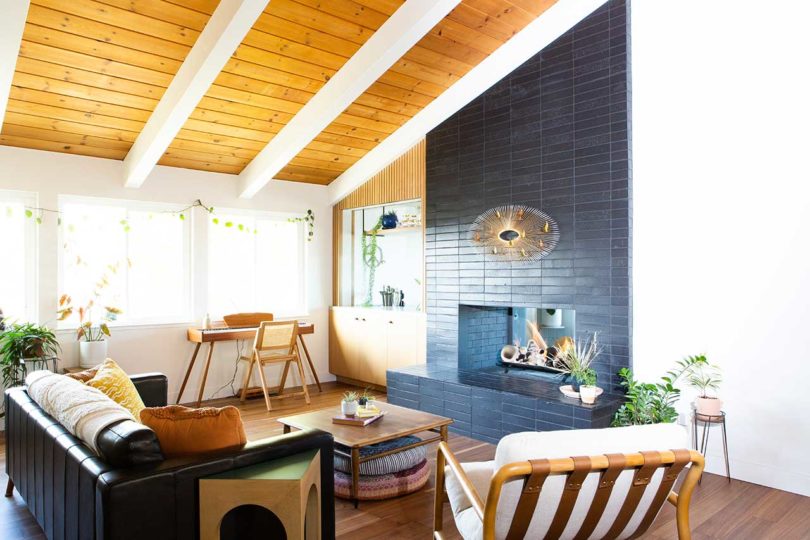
164	348
722	214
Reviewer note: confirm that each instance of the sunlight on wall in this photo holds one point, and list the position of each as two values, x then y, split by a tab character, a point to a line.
721	213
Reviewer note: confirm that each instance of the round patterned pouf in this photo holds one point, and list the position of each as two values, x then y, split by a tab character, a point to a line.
392	463
383	486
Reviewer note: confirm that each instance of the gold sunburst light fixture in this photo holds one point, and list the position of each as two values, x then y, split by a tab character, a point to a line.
516	233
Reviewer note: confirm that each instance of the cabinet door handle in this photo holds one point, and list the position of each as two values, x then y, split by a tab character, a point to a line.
364	320
390	322
357	318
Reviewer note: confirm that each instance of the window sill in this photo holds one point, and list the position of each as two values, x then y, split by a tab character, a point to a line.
126	327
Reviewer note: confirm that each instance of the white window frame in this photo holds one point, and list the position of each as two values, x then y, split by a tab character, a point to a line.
31	241
303	259
188	225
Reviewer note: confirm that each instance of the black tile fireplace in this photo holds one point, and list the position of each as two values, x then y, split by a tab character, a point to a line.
553	135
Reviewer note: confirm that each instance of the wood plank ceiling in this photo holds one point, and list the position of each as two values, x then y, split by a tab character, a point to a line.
90	73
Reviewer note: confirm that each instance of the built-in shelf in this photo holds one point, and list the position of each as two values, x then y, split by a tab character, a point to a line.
398	230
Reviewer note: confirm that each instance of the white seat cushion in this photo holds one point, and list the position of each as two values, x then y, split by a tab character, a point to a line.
561	444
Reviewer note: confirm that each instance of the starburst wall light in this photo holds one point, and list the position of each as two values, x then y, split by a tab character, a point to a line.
516	233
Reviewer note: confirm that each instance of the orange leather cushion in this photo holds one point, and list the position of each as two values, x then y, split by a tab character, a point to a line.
183	431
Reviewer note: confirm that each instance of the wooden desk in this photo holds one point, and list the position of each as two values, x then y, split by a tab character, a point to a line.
220	332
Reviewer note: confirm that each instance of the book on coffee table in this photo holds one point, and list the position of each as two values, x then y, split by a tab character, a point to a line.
356	420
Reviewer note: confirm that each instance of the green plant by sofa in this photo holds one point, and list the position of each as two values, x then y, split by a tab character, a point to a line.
653	403
21	343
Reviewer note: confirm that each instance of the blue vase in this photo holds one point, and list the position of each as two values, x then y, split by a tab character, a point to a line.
389	221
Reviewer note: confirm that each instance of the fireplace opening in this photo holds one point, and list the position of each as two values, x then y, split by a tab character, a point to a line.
515	337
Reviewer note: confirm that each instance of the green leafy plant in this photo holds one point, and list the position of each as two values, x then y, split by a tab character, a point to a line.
653	403
372	257
705	378
577	359
350	396
25	341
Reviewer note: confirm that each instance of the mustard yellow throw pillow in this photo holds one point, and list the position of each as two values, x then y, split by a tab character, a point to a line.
115	383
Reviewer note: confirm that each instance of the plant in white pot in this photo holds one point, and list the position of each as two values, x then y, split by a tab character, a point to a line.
349	404
91	333
588	389
706	379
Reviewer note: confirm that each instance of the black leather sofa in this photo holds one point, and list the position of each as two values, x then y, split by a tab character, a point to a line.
129	491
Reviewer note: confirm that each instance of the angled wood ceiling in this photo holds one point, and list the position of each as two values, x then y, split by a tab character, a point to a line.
90	73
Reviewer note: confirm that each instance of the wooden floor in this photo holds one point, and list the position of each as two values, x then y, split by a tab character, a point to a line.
736	510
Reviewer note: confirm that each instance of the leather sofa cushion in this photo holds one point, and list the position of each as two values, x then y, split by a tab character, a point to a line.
183	431
116	384
128	443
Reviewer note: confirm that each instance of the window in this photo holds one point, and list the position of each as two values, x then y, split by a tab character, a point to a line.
130	255
256	262
18	270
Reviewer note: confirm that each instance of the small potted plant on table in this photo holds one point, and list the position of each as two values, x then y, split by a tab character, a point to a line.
349	404
706	378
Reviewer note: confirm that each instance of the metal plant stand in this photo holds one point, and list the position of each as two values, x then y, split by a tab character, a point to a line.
708	419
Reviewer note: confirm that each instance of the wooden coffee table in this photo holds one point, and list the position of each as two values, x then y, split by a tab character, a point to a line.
397	422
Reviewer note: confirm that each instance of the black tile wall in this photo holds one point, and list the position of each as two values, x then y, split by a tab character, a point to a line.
554	134
483	331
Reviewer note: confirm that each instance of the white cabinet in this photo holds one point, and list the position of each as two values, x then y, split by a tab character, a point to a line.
365	342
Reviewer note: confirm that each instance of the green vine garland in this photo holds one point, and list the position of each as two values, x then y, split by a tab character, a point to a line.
309	219
38	215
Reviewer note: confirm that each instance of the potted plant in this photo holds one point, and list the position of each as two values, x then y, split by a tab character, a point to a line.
576	360
390	220
706	378
653	403
366	399
23	345
92	332
588	389
551	318
349	404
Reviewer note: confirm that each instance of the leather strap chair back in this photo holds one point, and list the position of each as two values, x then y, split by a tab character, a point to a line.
612	496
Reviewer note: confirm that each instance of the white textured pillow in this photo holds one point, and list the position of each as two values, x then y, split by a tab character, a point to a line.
82	410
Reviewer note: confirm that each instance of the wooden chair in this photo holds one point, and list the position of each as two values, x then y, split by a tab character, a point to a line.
595	494
276	343
246	320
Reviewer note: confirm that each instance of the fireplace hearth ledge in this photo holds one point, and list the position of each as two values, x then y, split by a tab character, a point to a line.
487	404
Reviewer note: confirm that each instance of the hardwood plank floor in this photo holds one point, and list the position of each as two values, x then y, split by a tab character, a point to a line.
736	510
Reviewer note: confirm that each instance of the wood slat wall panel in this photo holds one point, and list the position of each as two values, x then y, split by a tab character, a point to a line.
404	179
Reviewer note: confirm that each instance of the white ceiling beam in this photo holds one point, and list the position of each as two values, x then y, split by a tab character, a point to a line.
390	42
538	34
226	29
12	24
